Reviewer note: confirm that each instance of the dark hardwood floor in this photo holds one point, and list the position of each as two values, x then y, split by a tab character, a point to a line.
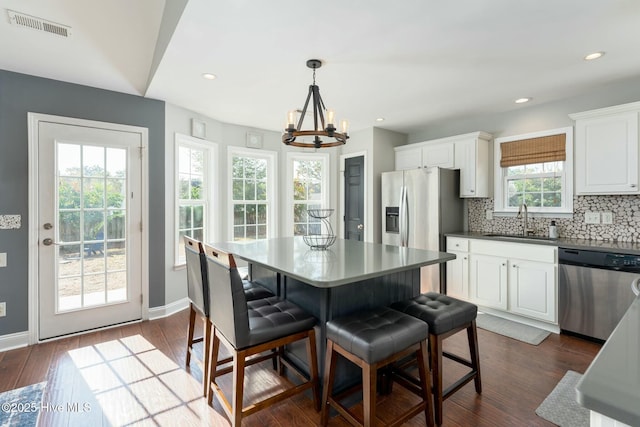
135	375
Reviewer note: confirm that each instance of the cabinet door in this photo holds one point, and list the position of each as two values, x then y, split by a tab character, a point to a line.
408	159
488	281
472	158
458	276
607	154
532	289
438	155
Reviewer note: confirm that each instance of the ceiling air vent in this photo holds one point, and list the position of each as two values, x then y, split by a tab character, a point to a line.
39	24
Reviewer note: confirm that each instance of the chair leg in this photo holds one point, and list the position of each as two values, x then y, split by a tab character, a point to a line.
435	344
327	381
238	387
190	332
313	368
425	381
213	357
208	326
369	380
472	335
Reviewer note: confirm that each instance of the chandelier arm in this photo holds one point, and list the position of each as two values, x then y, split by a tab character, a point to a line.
304	109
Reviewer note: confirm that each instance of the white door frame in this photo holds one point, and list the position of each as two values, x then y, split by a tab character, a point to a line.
33	123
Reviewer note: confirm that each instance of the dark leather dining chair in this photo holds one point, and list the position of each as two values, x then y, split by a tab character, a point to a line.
250	328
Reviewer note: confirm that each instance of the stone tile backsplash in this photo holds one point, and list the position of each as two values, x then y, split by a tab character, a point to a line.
625	227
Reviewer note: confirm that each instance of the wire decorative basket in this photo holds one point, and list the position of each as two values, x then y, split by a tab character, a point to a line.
320	241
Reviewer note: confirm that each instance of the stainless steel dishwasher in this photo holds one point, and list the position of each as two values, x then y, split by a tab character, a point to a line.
594	290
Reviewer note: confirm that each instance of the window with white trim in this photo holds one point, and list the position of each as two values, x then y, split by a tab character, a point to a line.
252	177
194	160
308	188
535	169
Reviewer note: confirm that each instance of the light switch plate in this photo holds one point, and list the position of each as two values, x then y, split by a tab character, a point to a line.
607	217
3	259
592	217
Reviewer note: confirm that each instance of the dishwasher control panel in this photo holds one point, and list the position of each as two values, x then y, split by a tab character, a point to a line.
599	259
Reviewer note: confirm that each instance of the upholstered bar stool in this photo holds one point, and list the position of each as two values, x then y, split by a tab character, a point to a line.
198	294
373	339
250	328
446	316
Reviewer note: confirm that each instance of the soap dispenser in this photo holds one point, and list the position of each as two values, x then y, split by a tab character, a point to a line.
553	230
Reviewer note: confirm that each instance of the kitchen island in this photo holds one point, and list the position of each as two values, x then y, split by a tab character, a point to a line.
348	277
610	388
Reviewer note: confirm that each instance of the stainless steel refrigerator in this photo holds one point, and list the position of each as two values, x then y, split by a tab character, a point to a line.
418	207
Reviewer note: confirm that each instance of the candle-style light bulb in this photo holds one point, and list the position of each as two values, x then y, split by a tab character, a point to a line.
344	126
291	119
331	115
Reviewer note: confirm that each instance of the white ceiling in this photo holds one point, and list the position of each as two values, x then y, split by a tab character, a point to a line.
413	62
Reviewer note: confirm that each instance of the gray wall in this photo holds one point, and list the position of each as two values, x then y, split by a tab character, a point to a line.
20	94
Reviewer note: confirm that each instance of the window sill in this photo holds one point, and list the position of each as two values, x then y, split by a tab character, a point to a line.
178	267
567	214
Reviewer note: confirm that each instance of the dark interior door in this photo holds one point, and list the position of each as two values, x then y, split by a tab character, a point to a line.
354	198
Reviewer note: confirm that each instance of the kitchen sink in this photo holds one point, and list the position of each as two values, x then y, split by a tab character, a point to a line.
517	236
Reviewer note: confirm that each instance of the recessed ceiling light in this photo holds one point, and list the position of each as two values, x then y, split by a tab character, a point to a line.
380	119
522	100
594	55
209	76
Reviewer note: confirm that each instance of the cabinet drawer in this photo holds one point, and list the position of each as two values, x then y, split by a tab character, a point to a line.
526	251
457	244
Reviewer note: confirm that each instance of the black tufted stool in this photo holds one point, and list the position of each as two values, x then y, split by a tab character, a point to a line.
446	316
373	339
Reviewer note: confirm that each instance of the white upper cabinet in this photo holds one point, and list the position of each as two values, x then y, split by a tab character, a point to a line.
440	155
606	153
470	153
473	158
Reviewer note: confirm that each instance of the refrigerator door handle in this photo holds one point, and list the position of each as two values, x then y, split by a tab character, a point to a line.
401	216
405	218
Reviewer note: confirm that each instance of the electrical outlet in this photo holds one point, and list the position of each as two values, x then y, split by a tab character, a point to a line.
3	259
592	217
488	214
607	217
3	309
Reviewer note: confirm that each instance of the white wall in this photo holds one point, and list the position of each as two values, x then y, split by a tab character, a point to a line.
178	120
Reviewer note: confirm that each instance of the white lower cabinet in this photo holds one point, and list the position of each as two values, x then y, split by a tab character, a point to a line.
532	289
488	281
518	278
458	276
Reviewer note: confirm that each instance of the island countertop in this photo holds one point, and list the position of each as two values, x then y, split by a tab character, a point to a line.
611	385
345	262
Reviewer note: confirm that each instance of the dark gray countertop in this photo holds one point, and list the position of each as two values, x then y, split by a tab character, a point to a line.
347	261
611	385
600	245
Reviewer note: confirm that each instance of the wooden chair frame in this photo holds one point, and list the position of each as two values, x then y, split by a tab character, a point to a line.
369	386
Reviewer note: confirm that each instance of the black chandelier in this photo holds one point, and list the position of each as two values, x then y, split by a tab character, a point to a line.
319	129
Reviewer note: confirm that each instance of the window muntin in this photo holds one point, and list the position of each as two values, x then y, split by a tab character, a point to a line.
538	185
307	194
194	192
251	194
546	187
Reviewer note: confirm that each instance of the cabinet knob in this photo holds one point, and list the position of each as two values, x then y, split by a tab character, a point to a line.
465	258
457	245
633	186
515	266
504	264
472	191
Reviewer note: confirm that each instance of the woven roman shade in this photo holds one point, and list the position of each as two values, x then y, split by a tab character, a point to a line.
533	150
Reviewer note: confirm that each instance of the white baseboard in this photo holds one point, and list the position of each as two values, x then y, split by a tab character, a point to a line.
12	341
169	309
21	339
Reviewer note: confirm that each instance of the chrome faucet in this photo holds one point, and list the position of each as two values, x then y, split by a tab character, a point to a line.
523	213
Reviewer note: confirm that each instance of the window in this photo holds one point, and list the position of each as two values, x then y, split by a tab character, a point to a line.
252	194
194	191
535	169
308	188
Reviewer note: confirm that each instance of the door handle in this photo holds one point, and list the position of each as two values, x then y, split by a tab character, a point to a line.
49	242
360	227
